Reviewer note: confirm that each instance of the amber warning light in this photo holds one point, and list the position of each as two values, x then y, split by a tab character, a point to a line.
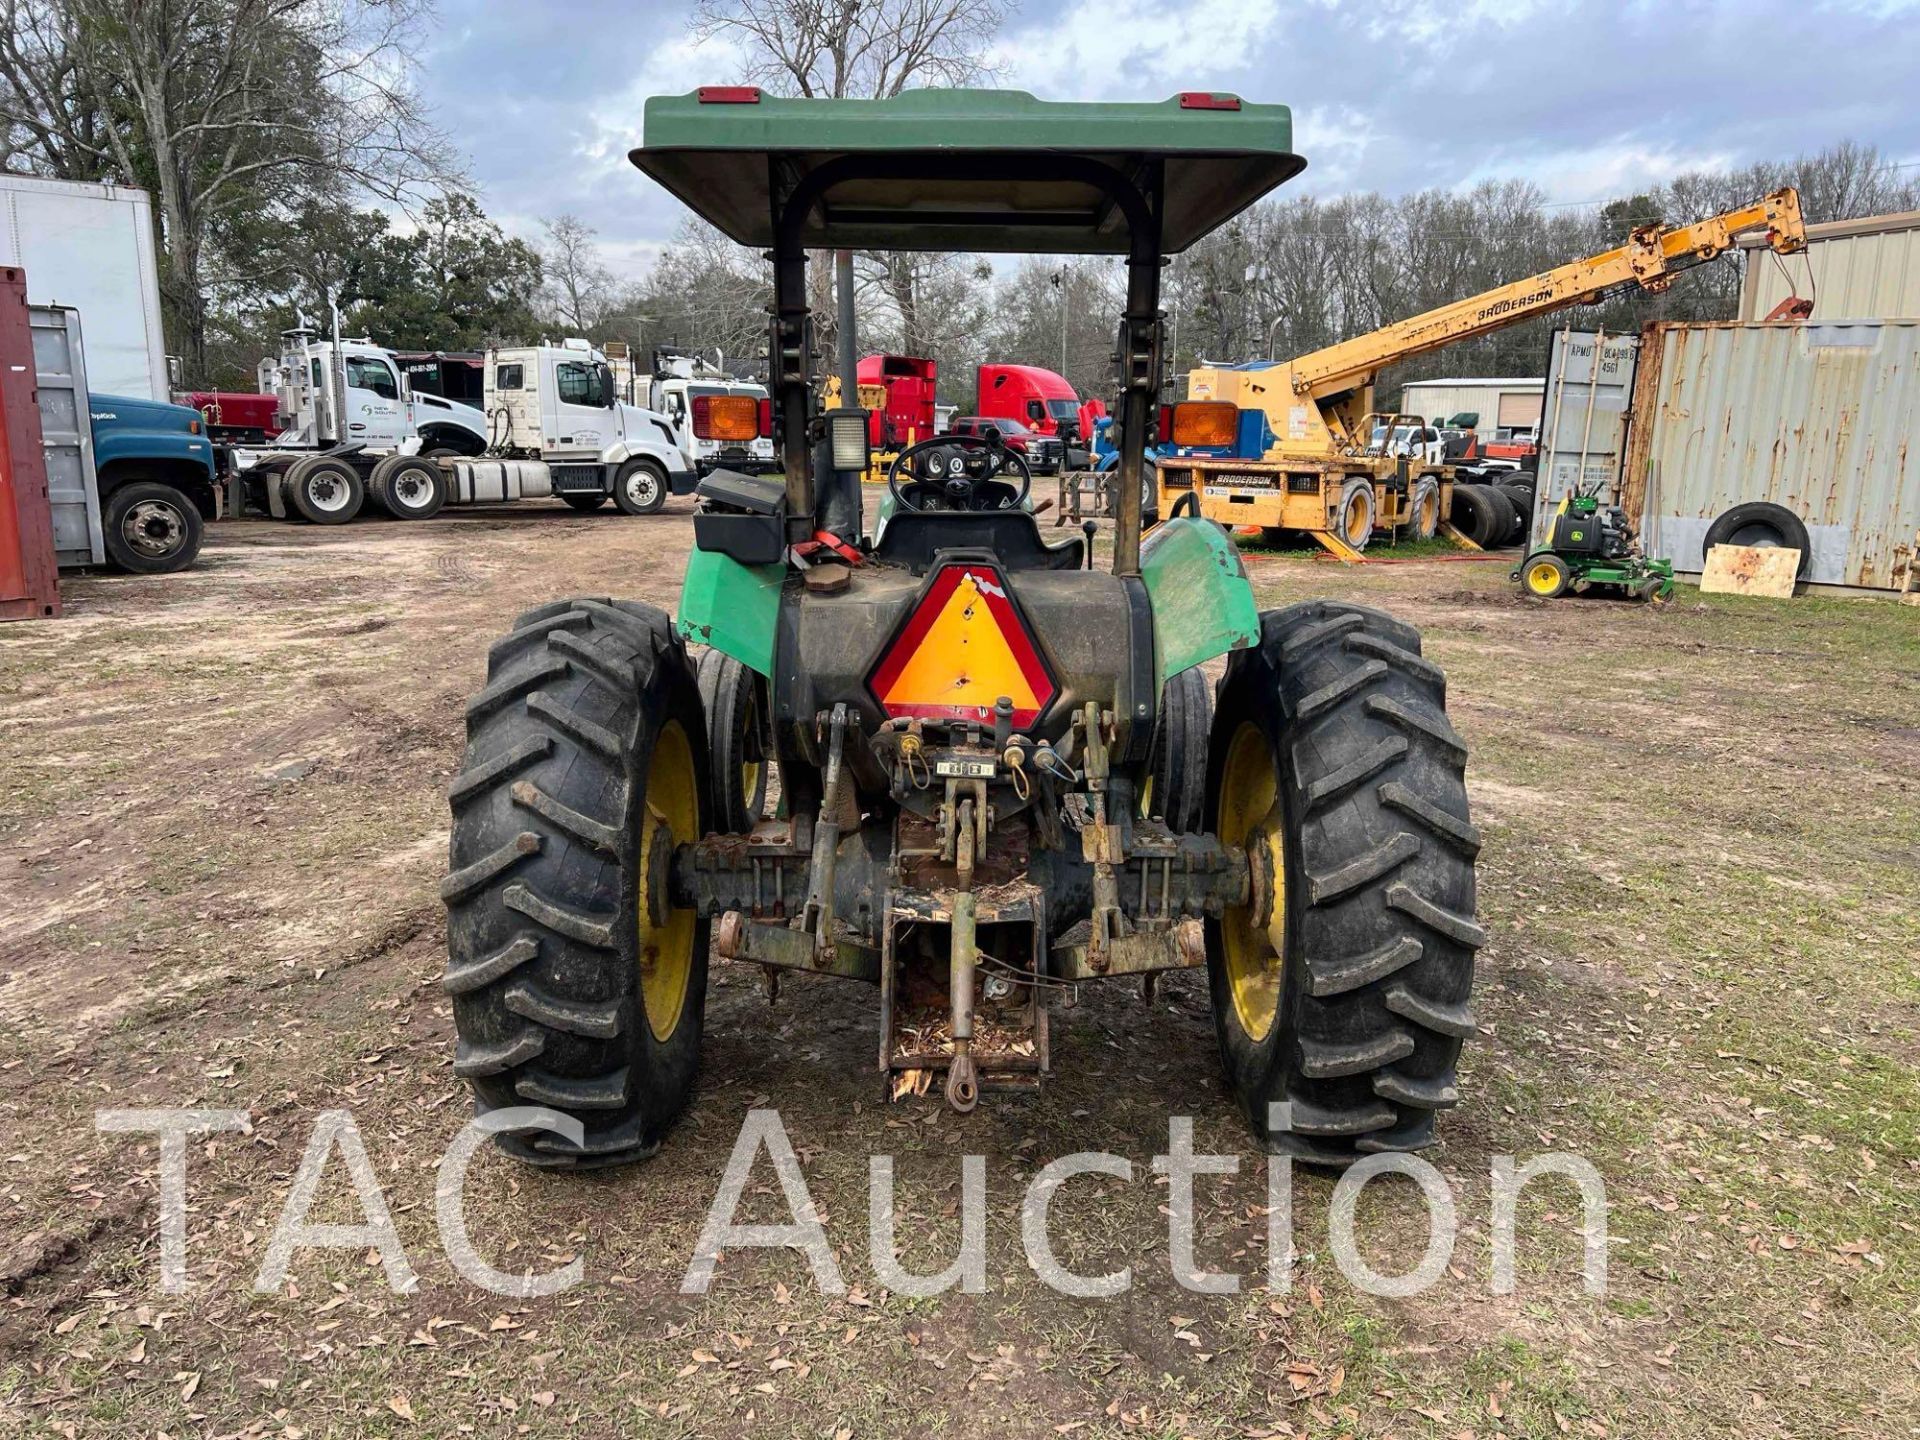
963	647
726	417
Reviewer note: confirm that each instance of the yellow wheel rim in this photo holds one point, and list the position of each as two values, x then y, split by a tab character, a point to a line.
1542	578
1255	956
666	949
1359	523
750	769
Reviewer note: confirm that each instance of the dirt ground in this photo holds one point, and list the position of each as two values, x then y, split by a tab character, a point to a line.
221	832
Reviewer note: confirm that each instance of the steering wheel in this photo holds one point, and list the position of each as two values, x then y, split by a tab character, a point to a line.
958	472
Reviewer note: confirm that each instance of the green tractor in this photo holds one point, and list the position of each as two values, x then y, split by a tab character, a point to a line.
1001	770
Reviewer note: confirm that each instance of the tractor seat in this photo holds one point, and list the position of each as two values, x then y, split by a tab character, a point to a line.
913	537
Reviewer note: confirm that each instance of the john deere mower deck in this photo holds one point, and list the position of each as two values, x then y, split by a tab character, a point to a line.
1001	771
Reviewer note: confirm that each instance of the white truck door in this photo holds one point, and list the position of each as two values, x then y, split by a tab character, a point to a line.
376	416
583	422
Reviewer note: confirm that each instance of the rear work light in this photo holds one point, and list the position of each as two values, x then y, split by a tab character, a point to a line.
847	433
726	417
963	646
1205	423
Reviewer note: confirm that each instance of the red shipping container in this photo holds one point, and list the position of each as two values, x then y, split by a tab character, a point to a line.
29	572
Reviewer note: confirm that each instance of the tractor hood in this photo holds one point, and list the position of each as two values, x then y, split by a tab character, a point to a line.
993	170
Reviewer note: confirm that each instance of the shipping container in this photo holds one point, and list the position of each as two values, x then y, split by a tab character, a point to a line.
1821	418
1852	270
1500	404
1585	423
29	573
91	247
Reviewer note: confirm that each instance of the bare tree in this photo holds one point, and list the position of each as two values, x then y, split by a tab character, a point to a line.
836	49
871	49
220	107
579	284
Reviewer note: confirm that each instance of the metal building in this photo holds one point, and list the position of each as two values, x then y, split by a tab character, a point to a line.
1502	404
1867	269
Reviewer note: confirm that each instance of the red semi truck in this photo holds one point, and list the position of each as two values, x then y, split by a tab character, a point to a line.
1039	399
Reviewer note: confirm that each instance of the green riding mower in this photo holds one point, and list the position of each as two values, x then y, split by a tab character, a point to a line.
1002	772
1591	547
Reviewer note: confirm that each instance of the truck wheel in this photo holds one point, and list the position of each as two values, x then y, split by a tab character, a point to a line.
739	739
1424	506
576	983
585	503
1177	765
640	487
408	487
151	528
1341	987
1354	518
1761	523
323	490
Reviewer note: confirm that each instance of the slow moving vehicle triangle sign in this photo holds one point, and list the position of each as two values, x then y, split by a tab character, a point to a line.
964	646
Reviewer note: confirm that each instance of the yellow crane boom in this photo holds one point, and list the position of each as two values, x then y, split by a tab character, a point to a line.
1316	403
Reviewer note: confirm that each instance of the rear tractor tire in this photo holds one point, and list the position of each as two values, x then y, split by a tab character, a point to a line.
586	504
739	739
576	984
1342	987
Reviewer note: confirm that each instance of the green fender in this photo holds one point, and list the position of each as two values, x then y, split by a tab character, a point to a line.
733	607
1202	600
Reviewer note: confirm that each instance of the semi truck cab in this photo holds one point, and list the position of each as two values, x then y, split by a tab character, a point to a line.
130	481
154	467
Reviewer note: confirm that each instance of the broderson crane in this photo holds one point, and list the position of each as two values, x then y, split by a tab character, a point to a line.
1325	464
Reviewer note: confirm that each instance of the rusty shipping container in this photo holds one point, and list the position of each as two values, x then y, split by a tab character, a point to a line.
1821	418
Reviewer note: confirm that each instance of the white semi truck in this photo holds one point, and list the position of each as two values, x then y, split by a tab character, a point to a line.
679	378
552	425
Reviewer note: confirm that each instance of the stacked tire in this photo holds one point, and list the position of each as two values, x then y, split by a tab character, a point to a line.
1498	516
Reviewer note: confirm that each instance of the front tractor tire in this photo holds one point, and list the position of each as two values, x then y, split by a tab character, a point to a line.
576	985
1342	987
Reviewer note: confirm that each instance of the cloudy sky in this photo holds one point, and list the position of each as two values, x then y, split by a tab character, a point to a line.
1588	98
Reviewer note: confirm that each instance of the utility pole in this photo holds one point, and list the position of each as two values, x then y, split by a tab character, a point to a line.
1059	278
849	366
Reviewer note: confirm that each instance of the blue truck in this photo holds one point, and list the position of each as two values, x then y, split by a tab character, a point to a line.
131	481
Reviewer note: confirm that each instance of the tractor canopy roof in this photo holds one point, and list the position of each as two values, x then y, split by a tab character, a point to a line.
993	170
